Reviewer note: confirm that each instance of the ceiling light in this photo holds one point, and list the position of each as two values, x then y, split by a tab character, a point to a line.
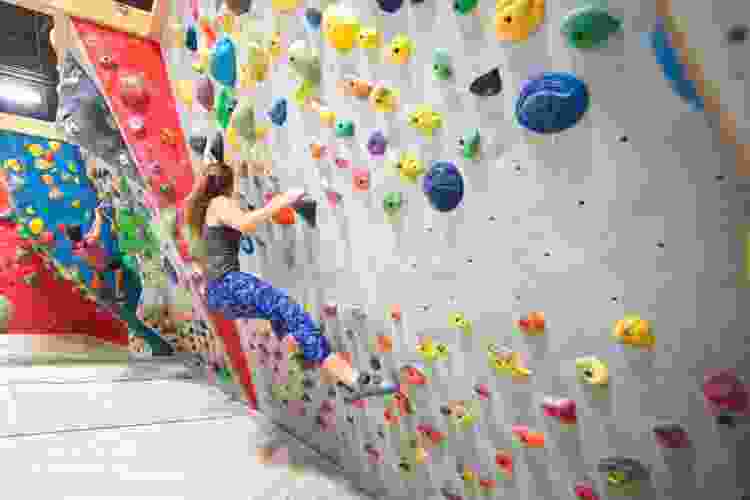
20	94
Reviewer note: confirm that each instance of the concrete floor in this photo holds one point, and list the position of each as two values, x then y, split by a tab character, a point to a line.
141	431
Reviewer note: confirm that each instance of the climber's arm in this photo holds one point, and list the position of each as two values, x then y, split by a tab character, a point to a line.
229	213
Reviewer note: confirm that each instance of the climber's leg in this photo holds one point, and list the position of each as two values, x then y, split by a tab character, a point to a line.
227	330
242	295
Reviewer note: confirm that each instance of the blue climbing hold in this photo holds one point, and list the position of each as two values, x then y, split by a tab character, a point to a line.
444	186
390	6
246	245
313	18
278	112
191	38
673	69
223	62
552	102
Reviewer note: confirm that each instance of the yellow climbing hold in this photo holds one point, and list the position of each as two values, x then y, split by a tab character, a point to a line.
13	164
308	308
328	118
54	146
30	211
35	150
226	22
184	90
516	20
36	226
285	5
261	131
232	138
75	203
72	167
340	27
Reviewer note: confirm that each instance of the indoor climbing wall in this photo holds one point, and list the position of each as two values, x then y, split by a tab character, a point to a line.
523	212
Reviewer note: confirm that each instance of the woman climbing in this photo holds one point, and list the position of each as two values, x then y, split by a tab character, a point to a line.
216	215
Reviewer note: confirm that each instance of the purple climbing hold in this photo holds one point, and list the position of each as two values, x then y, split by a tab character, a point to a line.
377	143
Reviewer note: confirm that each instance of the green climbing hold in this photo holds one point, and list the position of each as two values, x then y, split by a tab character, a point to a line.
6	313
589	27
344	128
31	279
225	105
441	64
464	6
469	145
243	121
392	203
167	227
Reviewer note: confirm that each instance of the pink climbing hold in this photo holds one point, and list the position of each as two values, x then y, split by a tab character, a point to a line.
723	391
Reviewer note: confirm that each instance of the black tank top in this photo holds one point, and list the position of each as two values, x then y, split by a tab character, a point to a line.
222	250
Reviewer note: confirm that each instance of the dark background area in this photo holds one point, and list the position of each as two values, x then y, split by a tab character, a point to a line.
27	59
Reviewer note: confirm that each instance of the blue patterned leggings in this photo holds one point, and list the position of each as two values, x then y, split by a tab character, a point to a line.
242	295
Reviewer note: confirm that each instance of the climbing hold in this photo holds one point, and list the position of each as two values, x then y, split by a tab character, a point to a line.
487	85
395	312
400	49
204	93
468	145
318	150
167	137
632	330
305	62
313	18
377	143
738	33
278	112
36	226
516	20
443	186
585	490
191	38
107	62
671	435
723	392
216	150
505	361
223	62
355	87
32	279
425	119
383	99
392	203
592	370
623	474
198	144
529	439
6	313
390	6
136	125
361	179
589	27
184	91
431	351
369	38
409	167
340	27
344	128
442	69
285	6
225	105
552	102
463	7
75	203
483	391
458	320
532	323
243	121
307	208
562	409
133	90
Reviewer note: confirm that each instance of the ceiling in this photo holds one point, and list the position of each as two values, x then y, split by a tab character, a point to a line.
27	59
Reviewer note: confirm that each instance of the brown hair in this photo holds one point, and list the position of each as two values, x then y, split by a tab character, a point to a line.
219	182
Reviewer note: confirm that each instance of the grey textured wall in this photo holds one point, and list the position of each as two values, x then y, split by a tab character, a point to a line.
604	259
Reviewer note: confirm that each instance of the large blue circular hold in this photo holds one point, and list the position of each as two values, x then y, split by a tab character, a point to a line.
552	102
443	186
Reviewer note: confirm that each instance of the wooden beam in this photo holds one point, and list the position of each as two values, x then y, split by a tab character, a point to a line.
30	126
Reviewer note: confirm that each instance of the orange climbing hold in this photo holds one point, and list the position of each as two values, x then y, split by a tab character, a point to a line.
285	217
